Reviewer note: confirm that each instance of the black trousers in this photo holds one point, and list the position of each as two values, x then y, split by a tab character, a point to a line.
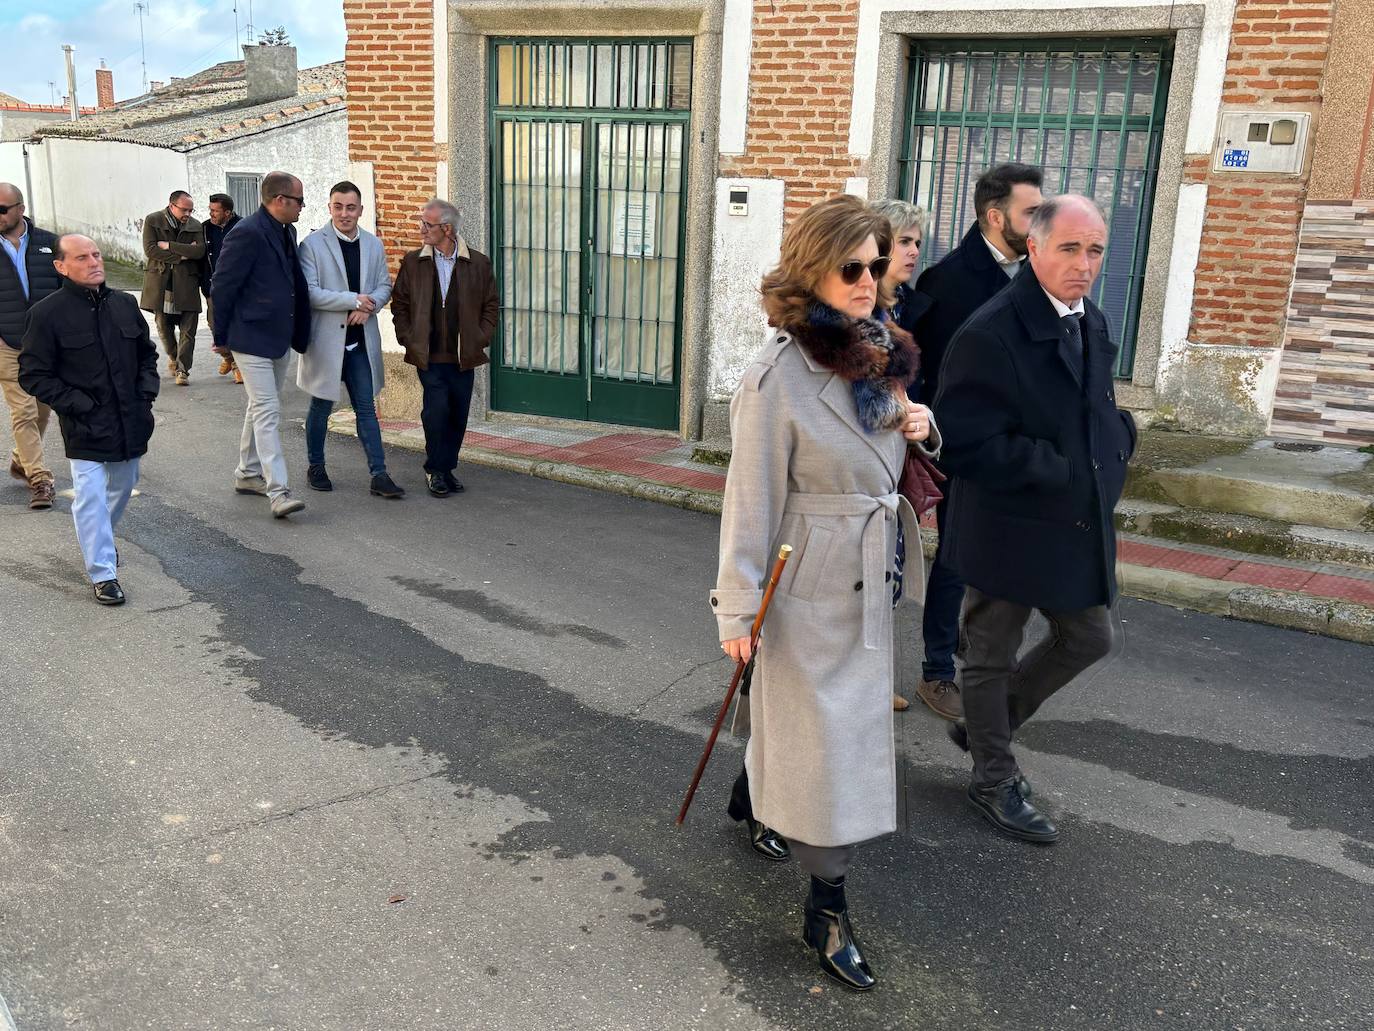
446	399
1000	693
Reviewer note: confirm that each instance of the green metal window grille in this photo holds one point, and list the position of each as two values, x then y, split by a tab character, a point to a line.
589	141
1090	112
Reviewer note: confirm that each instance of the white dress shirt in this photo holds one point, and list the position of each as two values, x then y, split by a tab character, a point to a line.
1061	309
1010	266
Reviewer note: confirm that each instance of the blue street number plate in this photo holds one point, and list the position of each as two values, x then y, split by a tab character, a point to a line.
1235	159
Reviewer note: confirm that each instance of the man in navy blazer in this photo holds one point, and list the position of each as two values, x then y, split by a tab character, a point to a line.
262	309
1027	409
994	248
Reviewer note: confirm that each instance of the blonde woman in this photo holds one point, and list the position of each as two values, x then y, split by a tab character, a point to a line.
820	427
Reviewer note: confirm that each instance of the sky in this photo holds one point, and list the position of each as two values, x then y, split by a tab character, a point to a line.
180	37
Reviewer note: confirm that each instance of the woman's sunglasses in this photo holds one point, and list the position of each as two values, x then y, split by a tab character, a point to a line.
851	271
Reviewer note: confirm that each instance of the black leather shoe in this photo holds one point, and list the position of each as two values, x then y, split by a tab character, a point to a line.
1005	807
108	592
454	484
383	486
762	839
438	486
828	931
318	479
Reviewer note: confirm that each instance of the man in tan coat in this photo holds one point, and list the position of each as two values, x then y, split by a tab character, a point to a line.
174	248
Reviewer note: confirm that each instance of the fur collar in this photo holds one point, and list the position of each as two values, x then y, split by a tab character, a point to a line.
878	358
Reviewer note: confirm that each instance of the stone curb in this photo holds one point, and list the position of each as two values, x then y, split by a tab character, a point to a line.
1330	617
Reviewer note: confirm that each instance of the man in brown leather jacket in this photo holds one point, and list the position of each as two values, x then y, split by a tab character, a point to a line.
444	308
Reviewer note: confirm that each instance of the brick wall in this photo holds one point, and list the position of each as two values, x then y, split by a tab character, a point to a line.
1250	235
800	90
389	61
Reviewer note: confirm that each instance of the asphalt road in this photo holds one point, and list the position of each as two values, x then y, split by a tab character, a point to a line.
488	706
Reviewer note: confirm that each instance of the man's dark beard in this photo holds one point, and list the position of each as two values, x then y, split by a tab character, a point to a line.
1013	239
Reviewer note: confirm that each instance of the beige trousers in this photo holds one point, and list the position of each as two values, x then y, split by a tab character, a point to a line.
28	416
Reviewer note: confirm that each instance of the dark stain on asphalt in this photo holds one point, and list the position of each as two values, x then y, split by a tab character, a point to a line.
490	610
58	573
966	930
1295	786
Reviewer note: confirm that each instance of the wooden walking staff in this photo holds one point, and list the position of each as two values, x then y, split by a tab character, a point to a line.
783	553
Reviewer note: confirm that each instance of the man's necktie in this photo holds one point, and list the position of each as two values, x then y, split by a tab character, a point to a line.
1073	345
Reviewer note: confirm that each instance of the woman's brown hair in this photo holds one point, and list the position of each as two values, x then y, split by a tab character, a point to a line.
817	243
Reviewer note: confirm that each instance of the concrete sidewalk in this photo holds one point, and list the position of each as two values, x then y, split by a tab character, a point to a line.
1326	597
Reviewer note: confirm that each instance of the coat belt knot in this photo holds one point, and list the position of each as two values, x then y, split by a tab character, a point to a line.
877	592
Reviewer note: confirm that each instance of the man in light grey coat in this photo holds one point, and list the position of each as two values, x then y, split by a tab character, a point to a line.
345	269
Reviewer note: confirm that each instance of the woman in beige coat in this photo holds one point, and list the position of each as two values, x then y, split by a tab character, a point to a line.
820	426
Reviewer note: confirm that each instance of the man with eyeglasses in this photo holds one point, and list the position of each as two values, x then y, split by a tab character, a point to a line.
444	309
174	247
262	309
27	275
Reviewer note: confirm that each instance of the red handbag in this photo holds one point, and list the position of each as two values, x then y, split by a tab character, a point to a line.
920	481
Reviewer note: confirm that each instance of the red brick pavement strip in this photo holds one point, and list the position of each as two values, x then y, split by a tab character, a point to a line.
625	453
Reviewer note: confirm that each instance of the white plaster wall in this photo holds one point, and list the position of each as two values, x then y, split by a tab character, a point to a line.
743	248
735	52
314	150
103	189
12	164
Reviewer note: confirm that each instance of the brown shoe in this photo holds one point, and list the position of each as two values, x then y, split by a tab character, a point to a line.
182	379
942	697
43	494
17	471
172	366
226	365
900	704
238	376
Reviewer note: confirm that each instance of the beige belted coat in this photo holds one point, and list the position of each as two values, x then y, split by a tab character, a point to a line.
821	757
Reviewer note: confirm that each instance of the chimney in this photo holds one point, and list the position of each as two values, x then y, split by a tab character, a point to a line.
104	88
155	85
270	71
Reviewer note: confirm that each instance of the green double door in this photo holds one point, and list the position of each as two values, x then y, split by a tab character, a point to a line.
589	142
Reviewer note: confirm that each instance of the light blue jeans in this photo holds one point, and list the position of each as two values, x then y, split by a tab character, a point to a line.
102	490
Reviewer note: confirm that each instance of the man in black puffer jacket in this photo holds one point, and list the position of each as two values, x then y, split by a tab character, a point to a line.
88	355
27	276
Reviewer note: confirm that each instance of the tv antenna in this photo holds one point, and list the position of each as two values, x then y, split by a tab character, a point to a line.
140	9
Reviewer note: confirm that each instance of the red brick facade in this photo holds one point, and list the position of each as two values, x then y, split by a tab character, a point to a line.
1250	236
800	89
389	61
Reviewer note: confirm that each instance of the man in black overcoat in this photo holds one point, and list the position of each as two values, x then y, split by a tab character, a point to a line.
991	254
1038	448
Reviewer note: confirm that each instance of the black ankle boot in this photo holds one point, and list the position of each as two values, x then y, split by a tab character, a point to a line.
765	841
828	931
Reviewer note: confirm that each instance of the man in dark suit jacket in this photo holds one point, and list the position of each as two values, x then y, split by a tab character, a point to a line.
1004	199
1039	450
262	309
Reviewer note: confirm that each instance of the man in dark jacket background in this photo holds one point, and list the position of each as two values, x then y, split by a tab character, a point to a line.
222	219
27	276
88	355
444	308
262	311
1004	199
1038	448
174	248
